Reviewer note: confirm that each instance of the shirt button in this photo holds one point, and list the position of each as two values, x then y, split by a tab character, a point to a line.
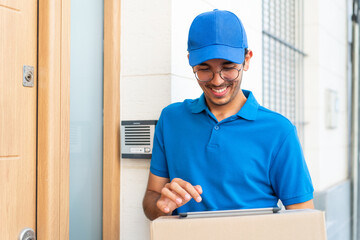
216	127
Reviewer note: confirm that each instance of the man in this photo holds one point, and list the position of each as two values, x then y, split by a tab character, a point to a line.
223	150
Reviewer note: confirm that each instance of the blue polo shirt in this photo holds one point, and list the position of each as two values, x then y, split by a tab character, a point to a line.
249	160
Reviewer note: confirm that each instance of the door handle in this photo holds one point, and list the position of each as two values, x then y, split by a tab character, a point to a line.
27	234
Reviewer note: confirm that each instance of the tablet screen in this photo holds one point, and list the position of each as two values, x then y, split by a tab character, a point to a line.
226	213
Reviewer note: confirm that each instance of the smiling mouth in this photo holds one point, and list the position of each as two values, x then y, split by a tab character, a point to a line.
219	92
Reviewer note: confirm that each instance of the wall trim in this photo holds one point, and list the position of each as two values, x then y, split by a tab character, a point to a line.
111	137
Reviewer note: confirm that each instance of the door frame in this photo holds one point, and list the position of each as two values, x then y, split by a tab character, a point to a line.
53	140
111	133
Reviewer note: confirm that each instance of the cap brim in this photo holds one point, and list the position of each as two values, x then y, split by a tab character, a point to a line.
204	54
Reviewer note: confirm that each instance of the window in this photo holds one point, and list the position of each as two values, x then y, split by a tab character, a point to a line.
283	59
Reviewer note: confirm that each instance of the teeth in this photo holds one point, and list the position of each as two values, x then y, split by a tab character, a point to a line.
219	90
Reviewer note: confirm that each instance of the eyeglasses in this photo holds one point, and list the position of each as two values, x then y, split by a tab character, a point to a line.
228	74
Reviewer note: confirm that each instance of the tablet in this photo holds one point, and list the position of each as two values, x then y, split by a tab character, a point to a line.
227	213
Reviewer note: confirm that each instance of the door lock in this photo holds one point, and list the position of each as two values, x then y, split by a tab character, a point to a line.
27	234
28	76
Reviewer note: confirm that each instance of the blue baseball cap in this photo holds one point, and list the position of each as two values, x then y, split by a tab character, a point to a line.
216	34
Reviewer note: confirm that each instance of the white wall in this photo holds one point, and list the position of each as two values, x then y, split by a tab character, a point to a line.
325	68
155	72
144	90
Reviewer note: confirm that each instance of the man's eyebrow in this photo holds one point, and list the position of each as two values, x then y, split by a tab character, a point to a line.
224	63
228	62
204	64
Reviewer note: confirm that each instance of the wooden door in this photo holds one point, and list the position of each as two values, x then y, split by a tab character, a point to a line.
18	117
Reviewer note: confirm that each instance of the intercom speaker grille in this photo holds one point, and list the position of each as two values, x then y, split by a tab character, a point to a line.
137	138
137	135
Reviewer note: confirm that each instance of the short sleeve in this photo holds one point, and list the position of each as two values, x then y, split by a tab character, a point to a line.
289	174
158	165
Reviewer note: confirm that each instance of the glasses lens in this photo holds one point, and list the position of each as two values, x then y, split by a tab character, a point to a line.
204	75
229	74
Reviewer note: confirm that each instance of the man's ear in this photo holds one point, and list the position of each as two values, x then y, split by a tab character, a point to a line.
248	56
188	56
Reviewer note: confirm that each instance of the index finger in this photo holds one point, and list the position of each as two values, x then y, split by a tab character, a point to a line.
191	190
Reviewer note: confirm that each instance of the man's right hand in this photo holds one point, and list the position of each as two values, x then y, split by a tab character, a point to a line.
162	197
176	194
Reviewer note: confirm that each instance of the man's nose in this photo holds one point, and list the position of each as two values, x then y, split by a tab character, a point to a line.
217	80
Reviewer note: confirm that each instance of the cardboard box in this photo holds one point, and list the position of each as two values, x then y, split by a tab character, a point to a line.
285	225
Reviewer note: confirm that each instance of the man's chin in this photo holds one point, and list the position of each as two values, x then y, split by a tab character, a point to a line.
219	102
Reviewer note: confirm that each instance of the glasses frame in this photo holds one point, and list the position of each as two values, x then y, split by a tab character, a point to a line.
219	72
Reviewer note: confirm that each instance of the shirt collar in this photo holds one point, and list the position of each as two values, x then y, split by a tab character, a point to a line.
199	104
250	108
248	111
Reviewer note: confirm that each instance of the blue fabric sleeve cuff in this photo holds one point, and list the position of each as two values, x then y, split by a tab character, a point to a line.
159	173
299	199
